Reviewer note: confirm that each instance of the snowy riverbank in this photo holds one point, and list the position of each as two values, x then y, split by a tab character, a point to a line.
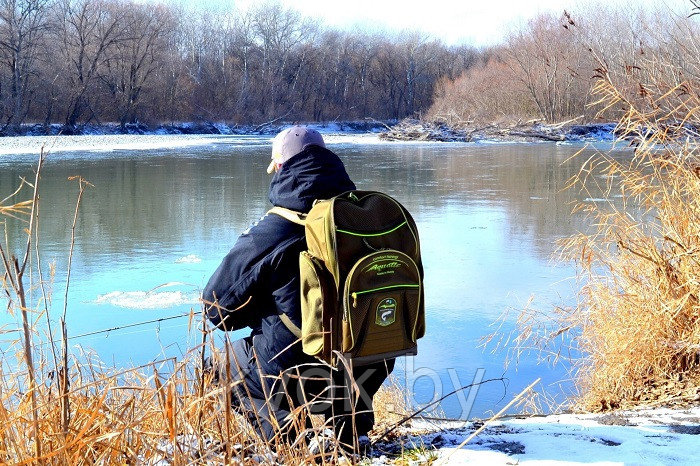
16	145
31	145
649	436
644	437
187	128
106	138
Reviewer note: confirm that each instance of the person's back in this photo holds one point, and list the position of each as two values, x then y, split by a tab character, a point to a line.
258	281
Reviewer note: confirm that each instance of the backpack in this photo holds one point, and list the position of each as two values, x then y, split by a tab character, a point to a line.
361	279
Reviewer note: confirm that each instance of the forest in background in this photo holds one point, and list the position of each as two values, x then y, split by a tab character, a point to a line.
93	61
76	62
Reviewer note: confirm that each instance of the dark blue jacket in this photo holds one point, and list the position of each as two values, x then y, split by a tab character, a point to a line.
263	265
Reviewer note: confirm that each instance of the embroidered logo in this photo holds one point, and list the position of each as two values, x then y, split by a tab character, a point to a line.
383	265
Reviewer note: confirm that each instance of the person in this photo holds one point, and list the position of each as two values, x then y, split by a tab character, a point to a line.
258	284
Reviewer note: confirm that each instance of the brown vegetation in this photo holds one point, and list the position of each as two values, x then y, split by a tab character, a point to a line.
545	69
487	92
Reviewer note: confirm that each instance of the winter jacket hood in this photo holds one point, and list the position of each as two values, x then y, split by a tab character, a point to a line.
314	173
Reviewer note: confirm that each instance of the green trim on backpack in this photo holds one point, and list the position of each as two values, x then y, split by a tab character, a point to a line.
382	288
368	235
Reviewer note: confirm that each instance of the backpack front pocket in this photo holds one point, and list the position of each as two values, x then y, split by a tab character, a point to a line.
382	303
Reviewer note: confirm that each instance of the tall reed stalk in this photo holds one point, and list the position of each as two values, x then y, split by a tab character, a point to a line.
14	274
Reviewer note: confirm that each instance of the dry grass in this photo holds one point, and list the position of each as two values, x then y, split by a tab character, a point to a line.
637	321
489	92
141	416
390	405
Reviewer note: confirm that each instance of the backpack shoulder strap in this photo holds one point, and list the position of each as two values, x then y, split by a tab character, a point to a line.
291	215
296	331
299	219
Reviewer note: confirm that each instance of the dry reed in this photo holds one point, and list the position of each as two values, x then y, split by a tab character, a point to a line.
636	326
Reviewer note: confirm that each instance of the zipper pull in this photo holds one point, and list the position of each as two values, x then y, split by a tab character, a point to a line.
354	300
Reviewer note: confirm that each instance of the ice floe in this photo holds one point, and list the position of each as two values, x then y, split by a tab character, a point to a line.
189	259
148	299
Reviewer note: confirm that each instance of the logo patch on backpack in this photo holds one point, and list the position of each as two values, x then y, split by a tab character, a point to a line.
386	312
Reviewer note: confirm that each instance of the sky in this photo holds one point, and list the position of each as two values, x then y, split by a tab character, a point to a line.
455	22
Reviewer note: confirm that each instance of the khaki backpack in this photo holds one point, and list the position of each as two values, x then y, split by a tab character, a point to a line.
361	279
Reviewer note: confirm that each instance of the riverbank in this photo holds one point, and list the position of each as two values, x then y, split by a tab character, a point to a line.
105	144
107	138
187	128
332	133
533	131
390	130
646	436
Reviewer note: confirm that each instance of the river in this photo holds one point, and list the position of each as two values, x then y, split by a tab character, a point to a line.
157	221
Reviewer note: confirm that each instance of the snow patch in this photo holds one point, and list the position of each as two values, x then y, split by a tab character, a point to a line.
341	138
53	144
223	128
652	436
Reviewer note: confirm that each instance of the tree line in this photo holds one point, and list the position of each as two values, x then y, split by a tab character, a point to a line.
74	62
548	68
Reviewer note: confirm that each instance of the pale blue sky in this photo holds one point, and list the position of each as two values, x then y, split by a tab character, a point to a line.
482	22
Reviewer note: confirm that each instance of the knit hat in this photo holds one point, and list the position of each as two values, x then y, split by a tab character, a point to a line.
290	142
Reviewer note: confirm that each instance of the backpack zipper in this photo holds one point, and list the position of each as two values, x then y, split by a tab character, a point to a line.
355	294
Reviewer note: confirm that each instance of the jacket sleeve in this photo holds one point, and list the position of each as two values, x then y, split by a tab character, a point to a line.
228	297
232	297
240	292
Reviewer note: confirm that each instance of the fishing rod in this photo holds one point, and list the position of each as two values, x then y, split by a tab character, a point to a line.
120	327
113	329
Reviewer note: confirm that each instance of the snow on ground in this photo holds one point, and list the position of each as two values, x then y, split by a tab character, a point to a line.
333	134
645	437
16	145
33	144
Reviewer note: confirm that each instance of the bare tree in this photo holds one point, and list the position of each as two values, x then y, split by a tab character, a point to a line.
137	56
549	62
279	32
22	27
89	31
80	61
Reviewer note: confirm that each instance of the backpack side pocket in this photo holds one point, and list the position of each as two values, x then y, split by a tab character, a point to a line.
318	333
